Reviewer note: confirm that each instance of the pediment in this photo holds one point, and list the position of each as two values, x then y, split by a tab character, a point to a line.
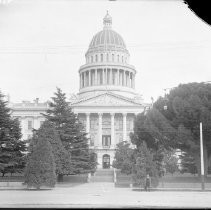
106	100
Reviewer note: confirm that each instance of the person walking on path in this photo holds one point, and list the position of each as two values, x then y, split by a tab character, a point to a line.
147	183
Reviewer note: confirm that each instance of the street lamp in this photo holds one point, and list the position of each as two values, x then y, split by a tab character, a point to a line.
202	157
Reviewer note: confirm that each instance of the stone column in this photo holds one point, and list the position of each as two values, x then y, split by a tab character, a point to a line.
128	79
113	142
131	74
82	79
124	126
85	79
133	80
95	76
89	77
36	123
102	75
88	126
125	76
110	76
106	80
100	129
117	76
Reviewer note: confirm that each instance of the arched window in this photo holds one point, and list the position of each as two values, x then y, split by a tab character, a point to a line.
101	57
92	59
96	58
122	59
112	57
118	58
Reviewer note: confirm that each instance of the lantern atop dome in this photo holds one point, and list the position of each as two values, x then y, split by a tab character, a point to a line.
107	21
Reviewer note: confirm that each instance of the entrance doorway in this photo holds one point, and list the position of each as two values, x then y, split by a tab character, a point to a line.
106	161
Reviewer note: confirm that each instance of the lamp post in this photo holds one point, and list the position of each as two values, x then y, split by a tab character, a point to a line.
202	157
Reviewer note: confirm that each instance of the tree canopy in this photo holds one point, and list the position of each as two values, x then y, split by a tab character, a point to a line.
12	157
123	158
71	133
40	168
178	125
61	156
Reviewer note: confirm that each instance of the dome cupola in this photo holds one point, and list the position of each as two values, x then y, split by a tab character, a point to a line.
107	21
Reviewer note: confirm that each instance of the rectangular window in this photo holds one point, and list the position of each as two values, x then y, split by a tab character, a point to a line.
101	57
29	125
106	140
119	123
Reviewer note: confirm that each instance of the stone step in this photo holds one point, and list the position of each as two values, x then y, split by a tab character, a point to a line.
103	174
101	179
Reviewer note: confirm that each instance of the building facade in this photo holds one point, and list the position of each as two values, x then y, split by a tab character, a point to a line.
107	101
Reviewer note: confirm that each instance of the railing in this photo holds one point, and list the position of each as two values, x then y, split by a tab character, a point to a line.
106	146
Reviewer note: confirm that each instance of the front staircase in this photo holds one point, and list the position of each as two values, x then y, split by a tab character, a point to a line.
103	175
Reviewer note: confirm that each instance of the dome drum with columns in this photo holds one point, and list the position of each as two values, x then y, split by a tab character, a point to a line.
107	101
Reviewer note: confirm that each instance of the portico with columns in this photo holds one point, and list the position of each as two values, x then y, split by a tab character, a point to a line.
107	102
108	120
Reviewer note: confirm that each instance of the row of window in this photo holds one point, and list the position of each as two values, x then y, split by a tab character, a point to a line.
106	124
113	58
106	140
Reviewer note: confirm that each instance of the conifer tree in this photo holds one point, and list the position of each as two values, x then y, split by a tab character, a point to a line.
12	158
144	165
40	168
71	133
61	156
123	158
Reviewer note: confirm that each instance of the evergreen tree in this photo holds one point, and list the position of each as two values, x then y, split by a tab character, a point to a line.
171	164
123	158
61	156
12	158
144	165
188	163
71	133
177	127
40	168
187	106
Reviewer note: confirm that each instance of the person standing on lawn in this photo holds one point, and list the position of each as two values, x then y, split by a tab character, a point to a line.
147	183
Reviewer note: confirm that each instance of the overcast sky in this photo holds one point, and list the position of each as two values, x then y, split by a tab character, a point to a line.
43	44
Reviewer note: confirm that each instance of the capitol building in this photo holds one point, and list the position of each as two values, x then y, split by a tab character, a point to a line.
106	103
